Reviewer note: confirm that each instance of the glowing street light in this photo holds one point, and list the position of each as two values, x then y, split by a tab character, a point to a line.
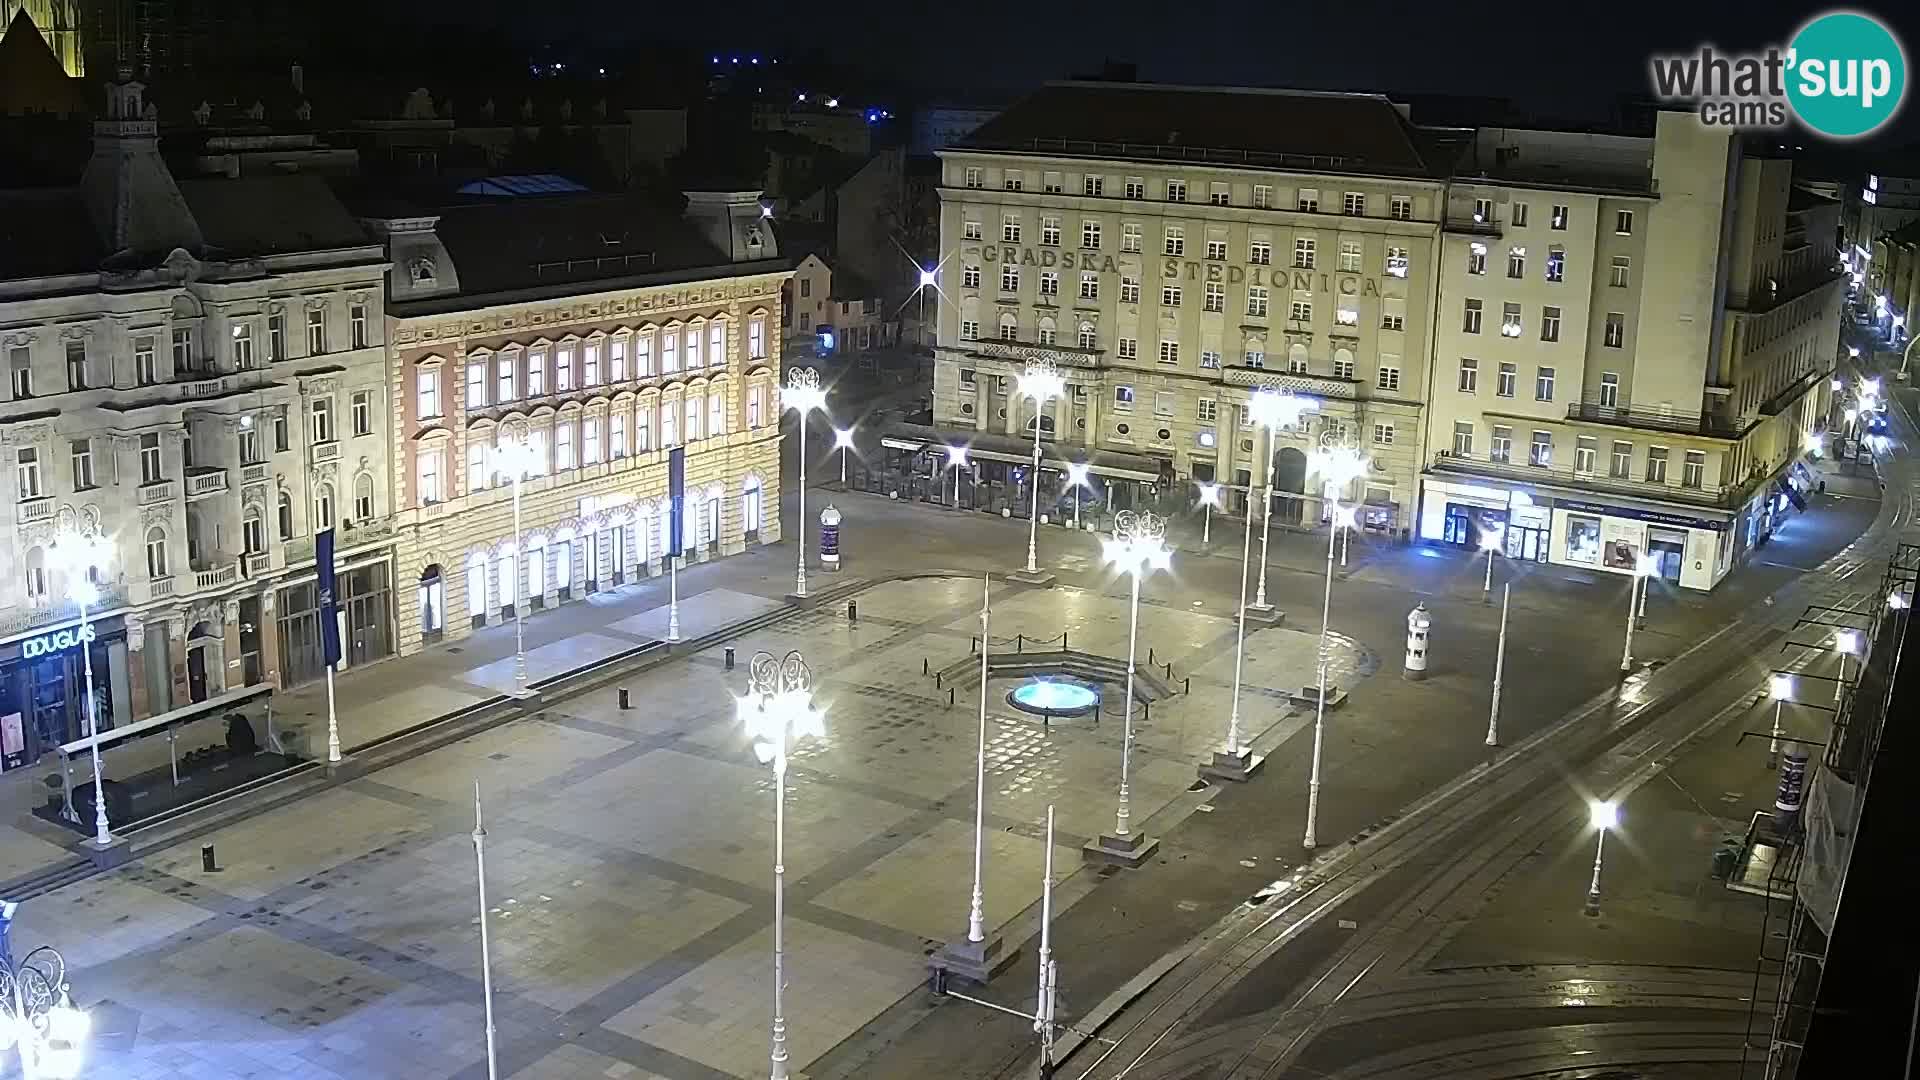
957	459
776	711
1271	410
1138	548
1643	567
1898	601
1077	478
1042	382
1209	498
37	1014
1490	542
516	457
843	442
803	395
1603	816
82	558
1780	689
1845	643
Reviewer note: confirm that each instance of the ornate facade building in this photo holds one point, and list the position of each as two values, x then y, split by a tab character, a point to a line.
192	370
591	334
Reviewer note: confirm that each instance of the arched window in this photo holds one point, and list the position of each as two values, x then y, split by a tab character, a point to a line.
1046	332
1009	327
323	507
363	497
1297	358
1256	353
37	575
283	511
253	530
1089	338
157	552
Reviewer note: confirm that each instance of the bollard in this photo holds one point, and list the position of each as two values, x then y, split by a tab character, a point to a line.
1019	643
625	701
729	658
949	698
853	612
1063	641
1169	672
1186	685
926	666
206	859
1150	661
936	680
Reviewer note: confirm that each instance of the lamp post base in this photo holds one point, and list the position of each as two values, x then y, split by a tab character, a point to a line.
1039	579
527	696
803	602
1236	767
105	856
975	961
1265	614
1130	850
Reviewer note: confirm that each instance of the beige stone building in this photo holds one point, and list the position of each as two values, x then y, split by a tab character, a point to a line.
600	333
1172	250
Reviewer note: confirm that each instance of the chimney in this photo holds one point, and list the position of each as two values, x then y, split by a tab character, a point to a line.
735	222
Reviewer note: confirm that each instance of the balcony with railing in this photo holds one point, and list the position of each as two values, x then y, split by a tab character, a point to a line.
323	452
34	511
257	473
20	619
155	493
1288	382
205	480
218	575
1702	495
1706	425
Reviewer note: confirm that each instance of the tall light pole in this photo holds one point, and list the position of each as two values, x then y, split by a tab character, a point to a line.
776	711
1048	971
1499	667
486	949
976	916
843	442
1338	463
1138	548
1490	542
1209	498
1780	689
1077	479
1272	410
1845	643
1604	816
1041	382
1642	566
79	555
1234	761
515	456
802	394
957	460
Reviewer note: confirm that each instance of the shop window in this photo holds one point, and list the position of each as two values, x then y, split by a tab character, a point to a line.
1583	539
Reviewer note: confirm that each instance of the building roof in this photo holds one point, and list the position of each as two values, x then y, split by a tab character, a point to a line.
1800	198
31	78
270	215
46	232
507	244
1358	133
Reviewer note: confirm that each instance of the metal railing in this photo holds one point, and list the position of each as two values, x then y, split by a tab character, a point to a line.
1718	427
1701	495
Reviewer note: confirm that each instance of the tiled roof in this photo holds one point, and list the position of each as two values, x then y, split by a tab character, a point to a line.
522	243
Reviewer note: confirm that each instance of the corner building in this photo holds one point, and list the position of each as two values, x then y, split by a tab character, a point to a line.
599	332
1172	250
1634	339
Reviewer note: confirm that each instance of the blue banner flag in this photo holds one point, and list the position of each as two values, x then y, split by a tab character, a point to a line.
677	490
329	622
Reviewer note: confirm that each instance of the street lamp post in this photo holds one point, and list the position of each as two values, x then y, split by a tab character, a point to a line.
843	442
486	950
1499	667
1041	382
1338	463
777	710
1234	761
1209	498
1604	815
1846	643
516	457
1272	410
1780	689
1490	542
802	394
79	556
1048	971
37	1014
1077	478
1137	548
1642	567
975	957
957	459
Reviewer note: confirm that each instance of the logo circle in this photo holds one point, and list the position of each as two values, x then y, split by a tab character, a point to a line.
1848	74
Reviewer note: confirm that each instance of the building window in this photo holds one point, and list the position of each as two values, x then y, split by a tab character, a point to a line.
1130	235
1262	196
316	331
617	434
1476	258
321	419
476	383
1217	195
1502	448
1656	464
1260	253
1623	222
1393	320
1543	384
1256	301
617	360
1210	359
1300	311
1303	252
1010	229
1176	191
1559	220
1123	399
1092	185
150	467
363	495
1616	330
1255	355
1206	410
1170	296
1388	378
1216	250
1584	451
323	507
1089	286
972	230
1009	329
1470	321
1009	278
1297	360
1541	453
156	553
1354	205
1693	471
1342	364
20	365
76	365
563	361
1216	296
1089	339
590	361
1308	201
1169	352
1462	438
1469	375
506	378
1383	434
1517	262
1175	240
1510	320
27	471
1556	265
969	277
276	338
477	477
427	383
1550	324
429	470
972	177
361	410
82	450
1483	211
1397	262
643	424
1504	383
643	355
1050	232
1618	274
282	429
1129	290
1163	404
146	371
1621	465
357	320
1346	316
1127	348
182	349
283	514
1609	389
757	338
253	531
1013	181
1045	333
1050	283
1400	207
1350	256
969	330
1051	184
1090	235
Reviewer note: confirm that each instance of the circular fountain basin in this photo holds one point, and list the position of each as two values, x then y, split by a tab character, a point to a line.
1054	698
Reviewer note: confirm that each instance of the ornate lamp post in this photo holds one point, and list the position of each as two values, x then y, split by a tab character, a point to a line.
1604	815
1490	542
843	442
486	949
1138	547
802	394
1272	410
79	555
776	711
1041	382
1337	463
1643	566
957	458
1209	498
516	457
37	1014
